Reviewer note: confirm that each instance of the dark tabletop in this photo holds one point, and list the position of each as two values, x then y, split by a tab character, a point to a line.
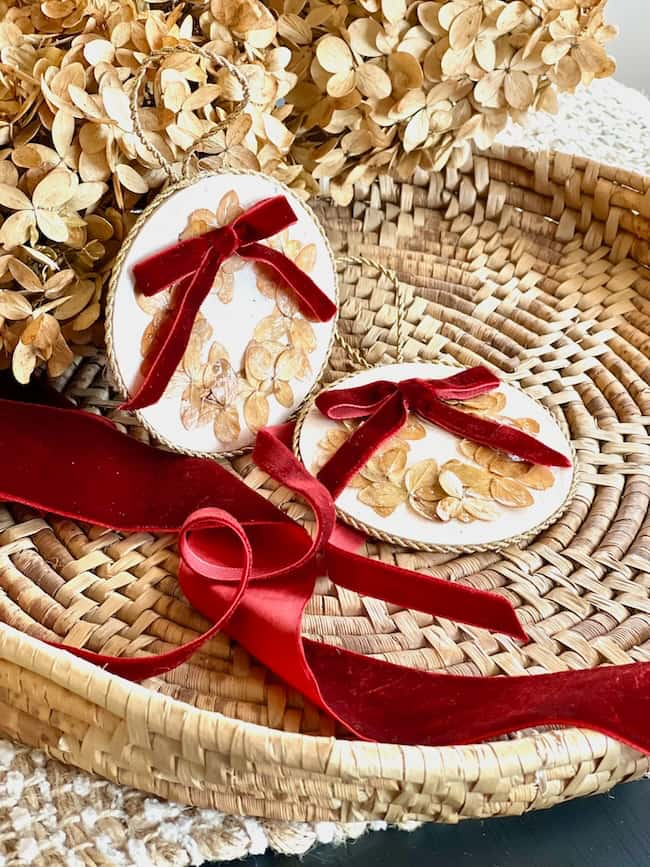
606	831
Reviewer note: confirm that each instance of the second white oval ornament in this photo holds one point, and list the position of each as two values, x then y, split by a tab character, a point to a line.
425	487
253	267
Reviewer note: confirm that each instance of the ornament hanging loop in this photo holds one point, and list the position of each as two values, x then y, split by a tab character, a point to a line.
400	306
136	94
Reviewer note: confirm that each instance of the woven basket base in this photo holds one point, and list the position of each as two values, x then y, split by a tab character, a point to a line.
537	265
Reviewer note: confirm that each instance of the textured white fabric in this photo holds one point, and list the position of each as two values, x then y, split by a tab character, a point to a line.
607	122
54	815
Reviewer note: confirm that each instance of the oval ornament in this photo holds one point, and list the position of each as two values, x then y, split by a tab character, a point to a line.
430	490
252	357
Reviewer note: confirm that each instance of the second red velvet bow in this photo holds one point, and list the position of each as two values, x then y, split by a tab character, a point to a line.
192	266
386	405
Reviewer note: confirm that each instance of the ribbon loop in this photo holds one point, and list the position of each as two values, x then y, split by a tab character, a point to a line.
345	403
191	267
198	558
252	570
268	217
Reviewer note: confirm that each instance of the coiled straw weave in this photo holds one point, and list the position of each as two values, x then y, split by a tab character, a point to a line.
535	264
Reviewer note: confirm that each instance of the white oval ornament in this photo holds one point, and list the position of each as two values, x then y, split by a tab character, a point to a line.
429	490
253	358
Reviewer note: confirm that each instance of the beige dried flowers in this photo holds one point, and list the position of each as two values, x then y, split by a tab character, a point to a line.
340	92
475	489
405	86
211	387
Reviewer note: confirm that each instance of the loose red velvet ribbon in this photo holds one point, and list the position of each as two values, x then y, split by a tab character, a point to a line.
249	568
193	265
387	405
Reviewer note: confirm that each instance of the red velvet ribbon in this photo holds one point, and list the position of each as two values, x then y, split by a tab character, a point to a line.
249	568
386	406
192	266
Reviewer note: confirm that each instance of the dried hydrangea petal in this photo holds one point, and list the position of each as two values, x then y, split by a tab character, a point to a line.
539	478
421	475
256	411
227	427
450	483
383	496
483	510
510	492
448	508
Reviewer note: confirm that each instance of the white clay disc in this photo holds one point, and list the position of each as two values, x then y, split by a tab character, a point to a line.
237	374
388	501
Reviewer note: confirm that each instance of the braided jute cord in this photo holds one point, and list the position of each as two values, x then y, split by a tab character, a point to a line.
171	171
400	303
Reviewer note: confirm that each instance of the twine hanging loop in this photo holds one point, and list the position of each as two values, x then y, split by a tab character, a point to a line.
136	94
400	306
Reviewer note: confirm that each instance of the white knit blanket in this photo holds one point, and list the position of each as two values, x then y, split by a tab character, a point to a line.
51	814
607	122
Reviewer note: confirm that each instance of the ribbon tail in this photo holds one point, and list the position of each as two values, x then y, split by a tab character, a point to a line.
394	704
312	301
389	418
169	347
135	479
488	433
422	592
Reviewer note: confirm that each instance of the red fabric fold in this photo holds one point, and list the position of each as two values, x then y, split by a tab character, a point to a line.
421	592
191	266
250	569
387	404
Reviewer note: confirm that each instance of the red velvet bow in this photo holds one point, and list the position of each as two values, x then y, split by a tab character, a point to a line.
387	405
249	568
193	265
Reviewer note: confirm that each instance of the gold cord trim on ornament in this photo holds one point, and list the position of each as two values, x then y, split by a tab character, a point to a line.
112	287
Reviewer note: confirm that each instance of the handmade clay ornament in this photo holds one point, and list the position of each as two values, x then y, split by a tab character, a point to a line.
426	487
252	265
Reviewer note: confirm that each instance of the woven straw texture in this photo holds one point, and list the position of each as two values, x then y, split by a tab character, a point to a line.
561	305
53	815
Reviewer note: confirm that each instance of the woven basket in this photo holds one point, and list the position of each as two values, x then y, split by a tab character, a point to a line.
537	264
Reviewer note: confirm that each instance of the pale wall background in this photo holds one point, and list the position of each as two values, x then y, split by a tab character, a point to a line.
632	48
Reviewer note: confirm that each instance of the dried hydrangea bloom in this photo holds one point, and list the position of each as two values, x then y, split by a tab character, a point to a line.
339	94
413	86
466	491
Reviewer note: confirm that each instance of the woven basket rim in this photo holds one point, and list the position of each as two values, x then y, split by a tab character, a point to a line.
153	713
72	673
